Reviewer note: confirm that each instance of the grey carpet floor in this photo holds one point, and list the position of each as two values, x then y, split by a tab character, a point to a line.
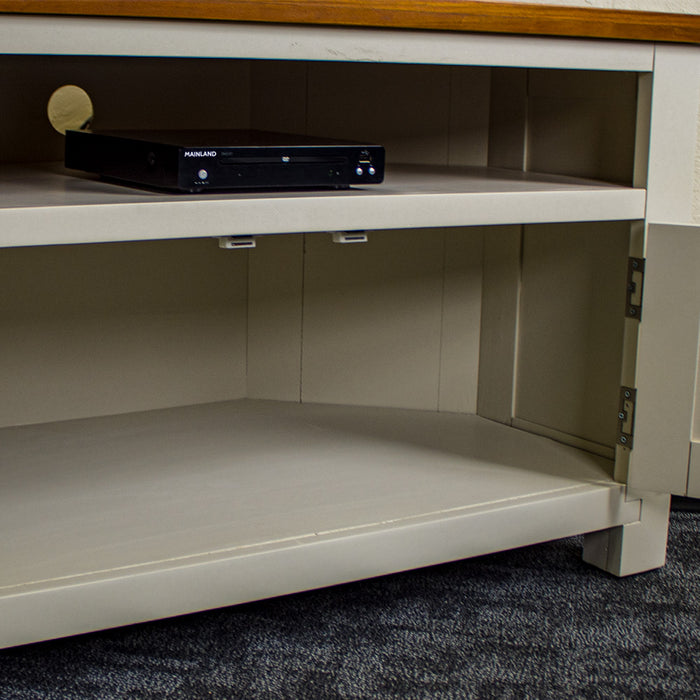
530	623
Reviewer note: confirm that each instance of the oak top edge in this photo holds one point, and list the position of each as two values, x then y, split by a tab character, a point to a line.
495	16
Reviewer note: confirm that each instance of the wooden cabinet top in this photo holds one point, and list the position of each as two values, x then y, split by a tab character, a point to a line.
446	15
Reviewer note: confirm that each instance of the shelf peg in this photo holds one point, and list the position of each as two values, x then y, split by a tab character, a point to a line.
349	236
236	242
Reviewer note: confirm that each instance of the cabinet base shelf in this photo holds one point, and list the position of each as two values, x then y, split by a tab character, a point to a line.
120	519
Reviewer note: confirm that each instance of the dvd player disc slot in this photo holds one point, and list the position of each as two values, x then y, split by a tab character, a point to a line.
252	160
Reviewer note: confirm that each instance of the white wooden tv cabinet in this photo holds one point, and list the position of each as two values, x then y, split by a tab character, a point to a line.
186	427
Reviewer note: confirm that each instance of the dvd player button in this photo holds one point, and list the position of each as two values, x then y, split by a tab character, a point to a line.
371	170
358	171
202	174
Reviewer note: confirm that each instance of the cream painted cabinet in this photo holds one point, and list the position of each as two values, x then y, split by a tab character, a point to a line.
186	427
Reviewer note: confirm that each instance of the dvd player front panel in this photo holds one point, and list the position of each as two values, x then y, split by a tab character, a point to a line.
199	168
272	167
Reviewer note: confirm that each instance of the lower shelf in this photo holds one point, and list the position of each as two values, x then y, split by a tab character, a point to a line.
118	519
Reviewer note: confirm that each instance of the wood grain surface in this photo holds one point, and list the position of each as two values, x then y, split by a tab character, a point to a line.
450	15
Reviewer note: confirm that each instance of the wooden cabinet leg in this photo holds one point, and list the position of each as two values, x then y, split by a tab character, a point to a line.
631	549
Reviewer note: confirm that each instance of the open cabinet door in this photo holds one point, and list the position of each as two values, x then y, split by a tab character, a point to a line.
666	369
657	396
667	365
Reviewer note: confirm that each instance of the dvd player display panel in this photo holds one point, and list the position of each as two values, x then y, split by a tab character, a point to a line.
197	161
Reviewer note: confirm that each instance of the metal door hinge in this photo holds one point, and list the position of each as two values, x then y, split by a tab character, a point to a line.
635	288
625	416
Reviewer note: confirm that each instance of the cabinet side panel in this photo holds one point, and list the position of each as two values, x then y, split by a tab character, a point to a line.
101	329
571	328
461	318
274	318
582	123
127	93
372	319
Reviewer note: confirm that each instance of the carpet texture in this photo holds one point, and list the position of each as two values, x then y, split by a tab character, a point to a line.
530	623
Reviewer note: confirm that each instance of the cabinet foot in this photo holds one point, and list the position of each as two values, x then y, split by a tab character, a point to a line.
634	548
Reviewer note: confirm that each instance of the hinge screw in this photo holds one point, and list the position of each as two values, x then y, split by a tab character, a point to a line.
622	415
623	439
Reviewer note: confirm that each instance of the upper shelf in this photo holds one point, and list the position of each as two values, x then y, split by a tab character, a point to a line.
47	205
455	15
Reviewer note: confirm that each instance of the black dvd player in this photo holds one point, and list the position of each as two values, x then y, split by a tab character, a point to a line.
199	161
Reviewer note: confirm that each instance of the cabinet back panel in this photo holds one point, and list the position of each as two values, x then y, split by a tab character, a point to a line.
100	329
275	290
278	95
470	95
393	322
571	327
461	319
126	93
508	118
372	313
374	328
404	108
421	114
499	322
